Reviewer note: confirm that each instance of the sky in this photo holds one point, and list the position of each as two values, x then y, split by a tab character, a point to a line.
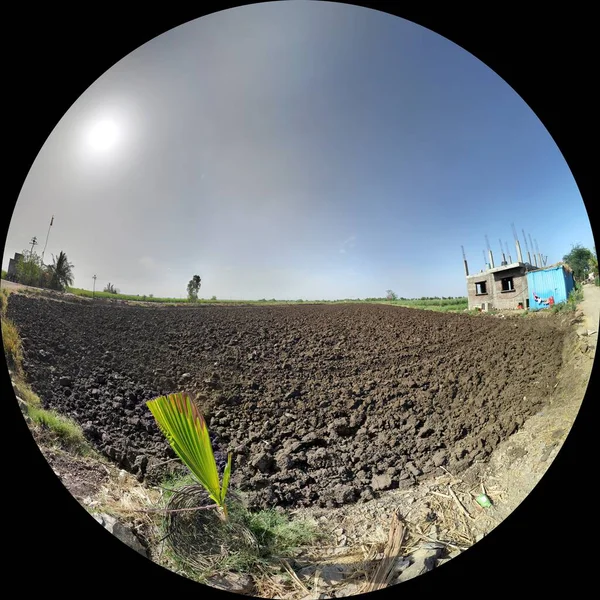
295	150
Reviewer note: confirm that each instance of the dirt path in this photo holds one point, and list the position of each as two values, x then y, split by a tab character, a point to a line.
10	285
591	306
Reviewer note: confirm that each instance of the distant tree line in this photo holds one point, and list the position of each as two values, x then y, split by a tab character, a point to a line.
111	289
391	295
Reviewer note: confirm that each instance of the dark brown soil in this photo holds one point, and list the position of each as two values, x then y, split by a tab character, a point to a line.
321	404
80	476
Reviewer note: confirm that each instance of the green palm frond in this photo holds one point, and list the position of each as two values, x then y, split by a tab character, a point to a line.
185	428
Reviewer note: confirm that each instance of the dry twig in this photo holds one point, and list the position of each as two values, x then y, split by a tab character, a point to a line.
459	504
383	574
294	577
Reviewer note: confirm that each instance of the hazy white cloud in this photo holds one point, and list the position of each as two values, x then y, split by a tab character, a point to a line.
348	244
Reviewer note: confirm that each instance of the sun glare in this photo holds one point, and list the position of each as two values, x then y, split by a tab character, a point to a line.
103	135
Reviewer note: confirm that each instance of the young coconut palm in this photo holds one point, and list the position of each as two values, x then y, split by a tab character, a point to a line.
185	428
61	272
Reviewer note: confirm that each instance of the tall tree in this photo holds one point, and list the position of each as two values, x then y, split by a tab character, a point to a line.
29	269
579	260
61	272
193	287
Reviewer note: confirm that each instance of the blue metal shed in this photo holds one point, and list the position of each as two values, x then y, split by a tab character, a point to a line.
549	286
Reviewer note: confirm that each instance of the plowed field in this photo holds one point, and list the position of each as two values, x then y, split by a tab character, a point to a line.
320	404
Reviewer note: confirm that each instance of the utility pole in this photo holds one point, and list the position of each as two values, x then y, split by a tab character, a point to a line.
33	243
47	236
94	288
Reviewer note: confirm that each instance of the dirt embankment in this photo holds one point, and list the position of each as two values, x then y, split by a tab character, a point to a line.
321	405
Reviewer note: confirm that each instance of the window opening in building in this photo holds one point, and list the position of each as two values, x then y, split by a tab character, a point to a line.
508	284
480	288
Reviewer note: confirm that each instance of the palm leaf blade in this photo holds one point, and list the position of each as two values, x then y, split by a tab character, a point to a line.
186	431
226	476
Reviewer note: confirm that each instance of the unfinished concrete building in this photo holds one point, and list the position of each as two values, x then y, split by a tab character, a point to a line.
500	288
12	266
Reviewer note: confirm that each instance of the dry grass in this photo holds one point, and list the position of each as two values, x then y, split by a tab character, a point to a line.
382	576
24	391
3	301
11	343
124	497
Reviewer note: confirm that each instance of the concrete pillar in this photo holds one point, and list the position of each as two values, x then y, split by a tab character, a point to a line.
519	254
491	260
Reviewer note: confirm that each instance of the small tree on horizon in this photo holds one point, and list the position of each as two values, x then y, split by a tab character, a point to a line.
111	289
193	287
391	295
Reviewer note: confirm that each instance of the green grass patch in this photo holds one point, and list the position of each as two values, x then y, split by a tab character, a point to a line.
437	304
128	297
426	303
575	297
276	533
64	431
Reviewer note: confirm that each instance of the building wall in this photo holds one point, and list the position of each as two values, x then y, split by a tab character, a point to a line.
12	264
475	300
495	296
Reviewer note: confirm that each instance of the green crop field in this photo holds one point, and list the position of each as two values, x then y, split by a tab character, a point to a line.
437	304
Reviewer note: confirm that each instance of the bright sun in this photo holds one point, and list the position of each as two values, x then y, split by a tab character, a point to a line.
103	135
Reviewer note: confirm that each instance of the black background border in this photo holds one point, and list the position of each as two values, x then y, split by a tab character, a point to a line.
54	54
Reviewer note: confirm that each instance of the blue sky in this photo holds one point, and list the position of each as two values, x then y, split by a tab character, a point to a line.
296	150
